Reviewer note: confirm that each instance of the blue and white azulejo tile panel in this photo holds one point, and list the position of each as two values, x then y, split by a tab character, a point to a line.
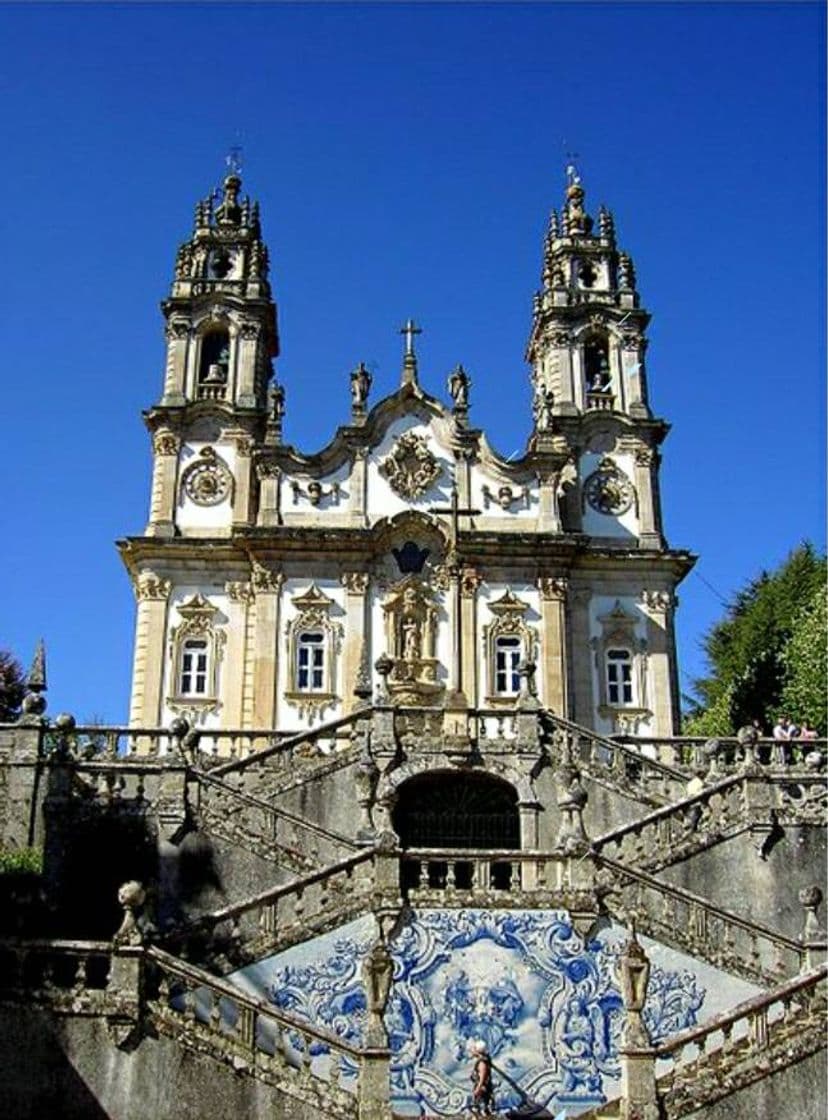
546	1004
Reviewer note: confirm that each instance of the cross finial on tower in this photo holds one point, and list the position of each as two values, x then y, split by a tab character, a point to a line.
409	374
233	160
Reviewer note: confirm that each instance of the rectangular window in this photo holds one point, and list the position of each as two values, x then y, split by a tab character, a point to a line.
194	664
507	660
310	662
619	677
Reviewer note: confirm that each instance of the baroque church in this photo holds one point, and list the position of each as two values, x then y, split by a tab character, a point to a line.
403	779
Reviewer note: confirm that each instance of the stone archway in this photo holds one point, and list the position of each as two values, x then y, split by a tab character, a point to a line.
447	809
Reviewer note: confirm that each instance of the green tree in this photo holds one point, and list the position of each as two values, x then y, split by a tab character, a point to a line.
805	660
12	687
746	650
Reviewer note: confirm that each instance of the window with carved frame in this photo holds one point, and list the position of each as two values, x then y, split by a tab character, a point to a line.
196	648
508	641
313	640
619	677
621	668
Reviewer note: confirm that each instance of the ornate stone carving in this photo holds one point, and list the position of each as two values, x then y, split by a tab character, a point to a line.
411	635
197	620
314	492
411	468
166	443
505	496
658	600
150	586
608	490
470	581
356	583
508	621
264	579
208	481
250	331
239	591
265	470
244	446
177	330
631	341
560	338
553	587
305	692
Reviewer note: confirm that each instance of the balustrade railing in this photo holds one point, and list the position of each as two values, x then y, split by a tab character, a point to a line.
719	936
284	914
64	974
694	752
276	831
116	744
465	877
316	743
621	763
660	837
253	1034
786	1016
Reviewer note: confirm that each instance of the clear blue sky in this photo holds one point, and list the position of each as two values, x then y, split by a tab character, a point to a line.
406	158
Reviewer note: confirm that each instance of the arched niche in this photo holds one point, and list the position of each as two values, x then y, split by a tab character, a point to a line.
447	809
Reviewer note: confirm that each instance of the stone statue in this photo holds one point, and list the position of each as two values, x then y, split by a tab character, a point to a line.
360	387
411	639
459	384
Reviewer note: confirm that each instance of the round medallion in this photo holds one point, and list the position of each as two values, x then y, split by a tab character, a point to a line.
609	490
207	484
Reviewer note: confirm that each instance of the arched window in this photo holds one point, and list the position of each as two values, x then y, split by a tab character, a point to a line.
619	677
195	656
451	810
597	376
310	661
508	656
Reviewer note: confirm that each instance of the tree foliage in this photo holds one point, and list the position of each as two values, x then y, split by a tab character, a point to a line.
12	687
767	655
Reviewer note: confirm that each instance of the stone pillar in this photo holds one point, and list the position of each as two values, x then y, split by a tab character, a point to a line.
470	581
813	931
165	445
660	660
554	666
246	358
549	516
242	507
270	481
356	586
639	1098
178	335
359	488
649	528
579	654
241	597
633	348
149	662
561	341
267	587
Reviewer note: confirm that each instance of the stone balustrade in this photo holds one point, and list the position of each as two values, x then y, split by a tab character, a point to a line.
274	832
254	1036
730	756
292	749
119	744
464	877
66	975
288	913
705	1063
722	938
687	825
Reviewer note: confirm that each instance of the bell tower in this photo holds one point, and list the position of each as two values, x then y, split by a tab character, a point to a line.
221	336
587	352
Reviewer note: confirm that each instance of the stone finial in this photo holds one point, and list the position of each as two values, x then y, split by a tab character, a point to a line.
626	272
229	212
747	738
131	896
606	224
362	684
811	898
634	976
409	371
383	666
572	800
34	702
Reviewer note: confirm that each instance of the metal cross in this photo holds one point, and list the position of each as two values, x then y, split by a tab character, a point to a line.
233	159
409	330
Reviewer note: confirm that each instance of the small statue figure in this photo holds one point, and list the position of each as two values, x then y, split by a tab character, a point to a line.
544	414
411	639
459	384
360	387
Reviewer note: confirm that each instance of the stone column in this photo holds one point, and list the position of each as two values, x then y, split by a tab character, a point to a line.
178	335
241	597
649	529
152	593
270	480
356	586
566	401
242	510
267	588
659	606
639	1097
581	665
554	669
470	581
549	516
165	446
246	356
633	347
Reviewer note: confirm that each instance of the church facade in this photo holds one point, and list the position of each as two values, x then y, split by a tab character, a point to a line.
275	587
